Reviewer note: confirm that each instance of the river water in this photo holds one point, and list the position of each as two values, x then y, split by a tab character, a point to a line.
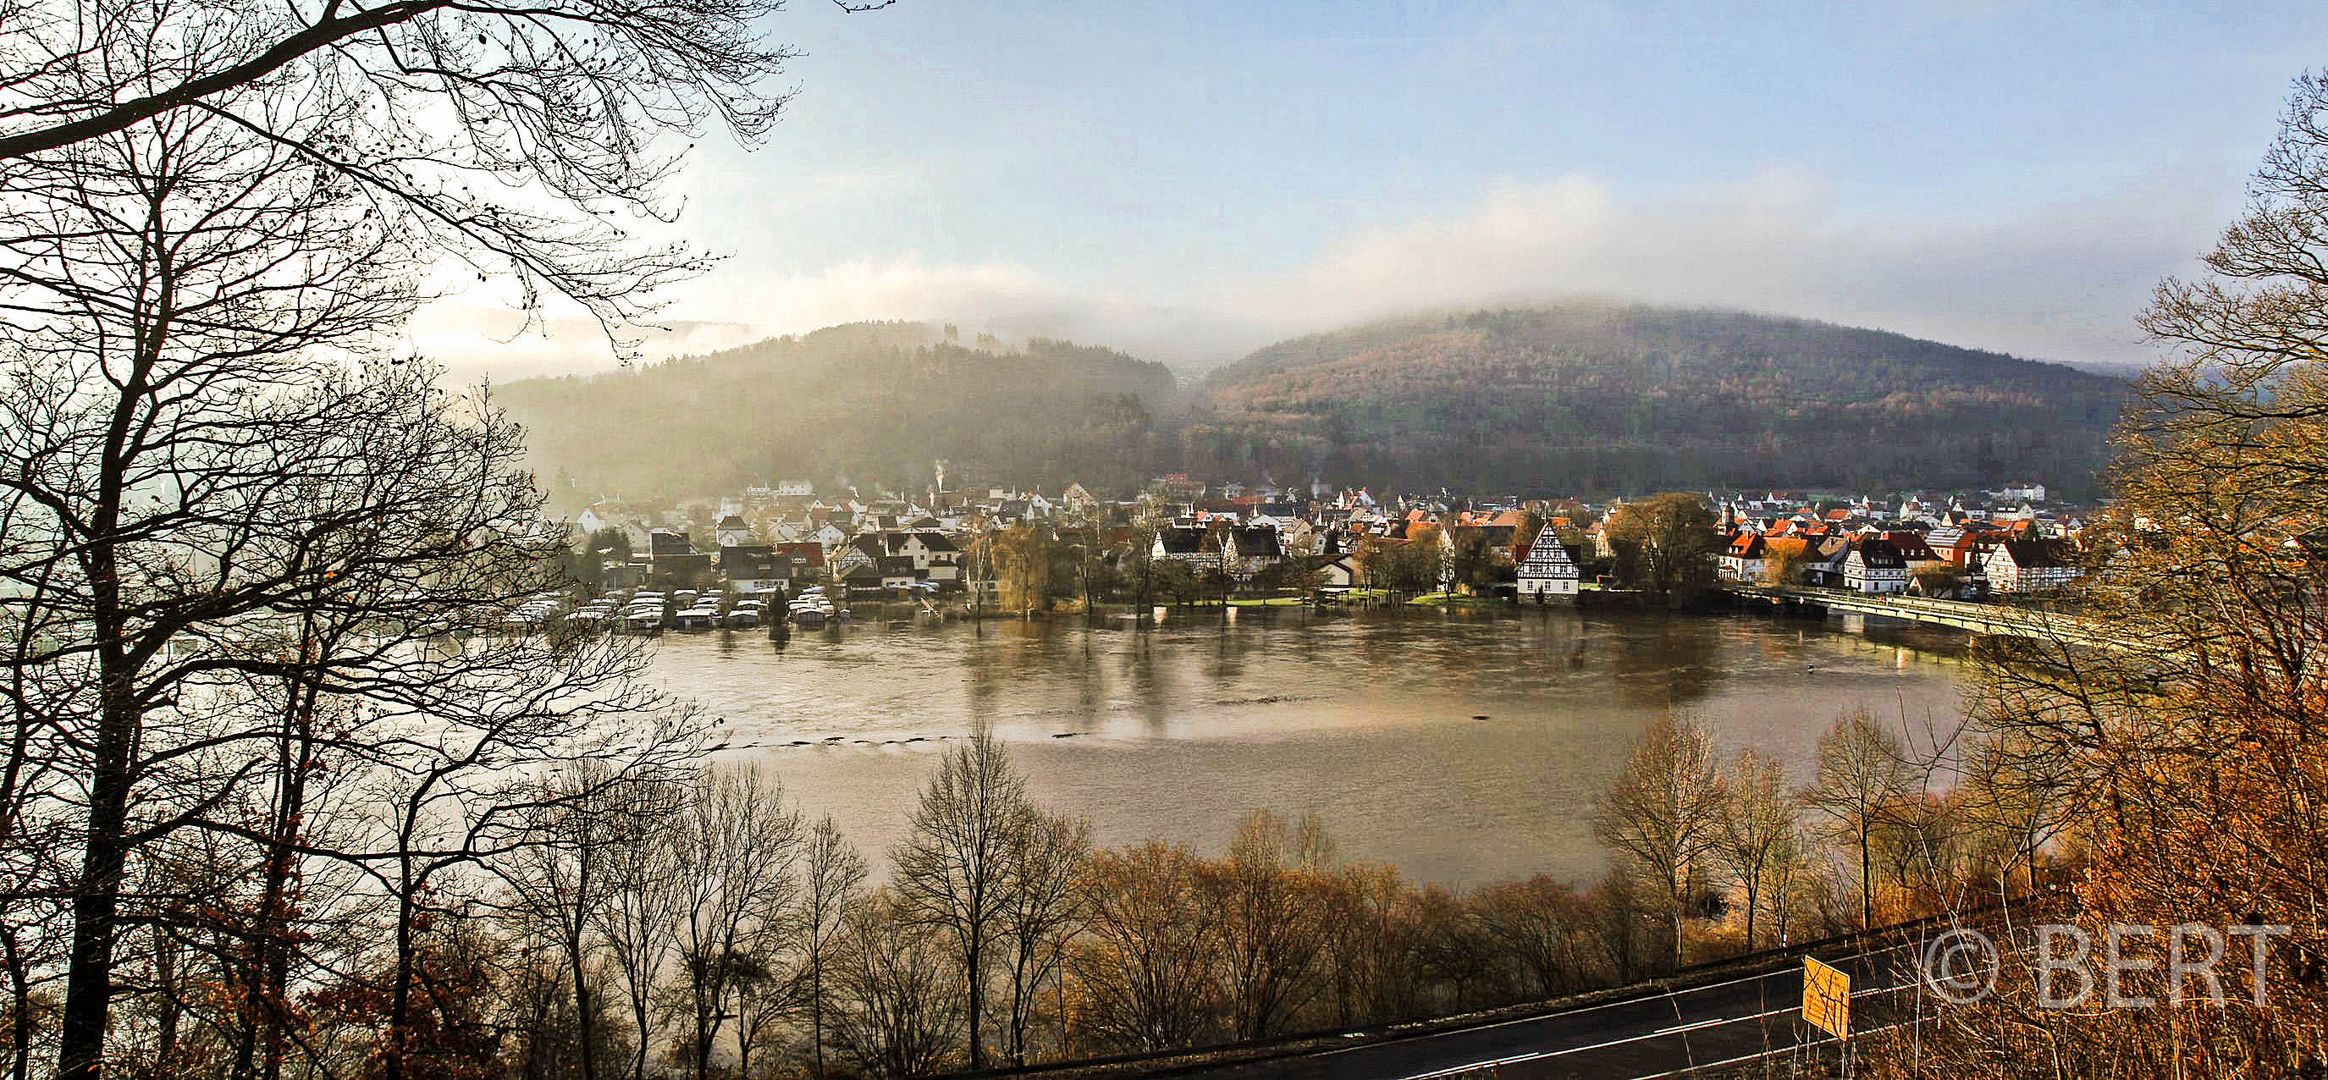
1464	747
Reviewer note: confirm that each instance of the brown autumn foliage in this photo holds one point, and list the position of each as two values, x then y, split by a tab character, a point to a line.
2193	743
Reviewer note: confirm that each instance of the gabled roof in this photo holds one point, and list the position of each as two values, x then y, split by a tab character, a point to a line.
1875	554
1911	546
1546	557
1256	542
2033	554
1181	540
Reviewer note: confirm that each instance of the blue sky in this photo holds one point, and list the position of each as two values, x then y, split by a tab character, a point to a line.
1191	181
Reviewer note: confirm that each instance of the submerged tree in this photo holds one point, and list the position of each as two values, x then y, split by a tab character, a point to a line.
1667	542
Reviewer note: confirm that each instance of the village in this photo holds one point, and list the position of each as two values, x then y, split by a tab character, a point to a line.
722	562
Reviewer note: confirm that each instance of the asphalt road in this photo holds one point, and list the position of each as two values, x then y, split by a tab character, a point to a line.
1725	1022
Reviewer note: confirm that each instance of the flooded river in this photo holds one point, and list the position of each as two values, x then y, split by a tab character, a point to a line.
1462	747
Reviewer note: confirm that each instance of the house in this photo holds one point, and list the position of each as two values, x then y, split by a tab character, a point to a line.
752	567
1341	571
732	530
1743	559
1823	562
934	553
935	556
1247	550
1077	500
1547	571
1187	544
2028	565
885	574
670	556
795	489
1873	565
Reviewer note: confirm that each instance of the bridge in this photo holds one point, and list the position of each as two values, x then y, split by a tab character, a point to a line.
1995	619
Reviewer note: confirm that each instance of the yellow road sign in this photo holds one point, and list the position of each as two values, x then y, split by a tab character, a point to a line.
1826	998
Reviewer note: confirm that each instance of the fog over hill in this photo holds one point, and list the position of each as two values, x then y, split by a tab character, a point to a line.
1592	398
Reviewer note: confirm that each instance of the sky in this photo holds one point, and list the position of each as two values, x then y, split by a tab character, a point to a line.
1190	181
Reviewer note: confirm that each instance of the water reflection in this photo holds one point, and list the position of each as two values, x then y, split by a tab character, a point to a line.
1175	731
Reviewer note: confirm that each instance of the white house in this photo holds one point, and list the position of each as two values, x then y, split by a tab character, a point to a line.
1874	566
1547	571
1743	559
1187	543
732	530
1250	549
1341	571
2020	566
799	489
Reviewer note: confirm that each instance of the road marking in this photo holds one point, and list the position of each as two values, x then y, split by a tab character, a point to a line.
1583	1009
1457	1070
1497	1063
1823	1040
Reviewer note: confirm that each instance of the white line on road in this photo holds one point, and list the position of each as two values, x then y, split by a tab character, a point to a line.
1458	1070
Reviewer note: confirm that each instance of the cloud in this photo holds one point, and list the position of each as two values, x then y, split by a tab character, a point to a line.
2053	282
478	340
2059	283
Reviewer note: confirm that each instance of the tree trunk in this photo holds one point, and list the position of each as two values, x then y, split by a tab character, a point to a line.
973	957
97	900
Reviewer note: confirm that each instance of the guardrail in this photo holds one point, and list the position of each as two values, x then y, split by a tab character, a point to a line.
1195	1059
1996	619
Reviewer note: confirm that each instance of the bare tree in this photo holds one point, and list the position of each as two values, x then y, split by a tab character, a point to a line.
953	867
1758	822
1269	911
831	874
1045	860
737	851
639	921
1143	965
1664	812
570	883
1862	776
900	1008
1540	925
212	215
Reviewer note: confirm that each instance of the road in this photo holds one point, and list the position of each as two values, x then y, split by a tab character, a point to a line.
1725	1022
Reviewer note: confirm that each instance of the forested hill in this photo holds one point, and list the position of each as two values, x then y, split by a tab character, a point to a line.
1611	398
875	403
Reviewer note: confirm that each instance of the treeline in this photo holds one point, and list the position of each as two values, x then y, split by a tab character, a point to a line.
870	403
696	924
1602	398
1575	399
